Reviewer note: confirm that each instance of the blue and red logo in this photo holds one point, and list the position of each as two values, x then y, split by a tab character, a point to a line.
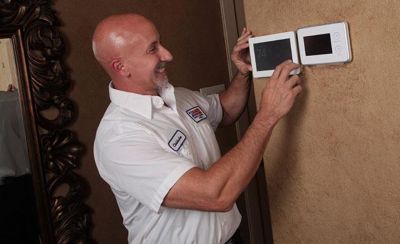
196	114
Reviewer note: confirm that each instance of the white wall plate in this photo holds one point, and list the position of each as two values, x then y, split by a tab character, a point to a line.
324	44
266	52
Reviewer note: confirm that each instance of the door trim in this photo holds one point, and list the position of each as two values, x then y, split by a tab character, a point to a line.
253	202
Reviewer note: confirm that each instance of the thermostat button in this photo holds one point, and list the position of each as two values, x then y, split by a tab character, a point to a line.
336	36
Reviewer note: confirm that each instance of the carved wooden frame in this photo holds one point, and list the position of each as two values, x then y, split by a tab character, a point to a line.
53	149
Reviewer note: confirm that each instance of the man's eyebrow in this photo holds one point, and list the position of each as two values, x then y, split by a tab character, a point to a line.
154	43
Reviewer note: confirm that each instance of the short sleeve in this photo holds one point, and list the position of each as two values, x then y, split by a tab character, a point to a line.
139	166
214	112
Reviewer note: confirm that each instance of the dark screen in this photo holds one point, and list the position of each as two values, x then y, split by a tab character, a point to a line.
317	45
270	54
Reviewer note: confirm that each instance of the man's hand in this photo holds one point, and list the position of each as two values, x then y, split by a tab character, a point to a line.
218	187
240	55
280	92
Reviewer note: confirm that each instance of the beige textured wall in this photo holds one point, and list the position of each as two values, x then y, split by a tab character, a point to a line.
333	164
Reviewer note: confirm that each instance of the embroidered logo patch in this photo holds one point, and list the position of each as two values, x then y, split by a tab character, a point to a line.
177	140
196	114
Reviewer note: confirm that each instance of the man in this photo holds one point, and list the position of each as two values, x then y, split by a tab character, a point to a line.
156	147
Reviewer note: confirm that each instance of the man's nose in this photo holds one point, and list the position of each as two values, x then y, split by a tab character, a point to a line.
165	55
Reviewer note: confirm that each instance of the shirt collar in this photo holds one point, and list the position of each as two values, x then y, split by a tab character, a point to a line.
143	104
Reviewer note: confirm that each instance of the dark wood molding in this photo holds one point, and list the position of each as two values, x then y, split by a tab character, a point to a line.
253	202
54	150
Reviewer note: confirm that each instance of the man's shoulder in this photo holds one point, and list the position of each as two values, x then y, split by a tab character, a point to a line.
117	120
182	93
116	113
183	90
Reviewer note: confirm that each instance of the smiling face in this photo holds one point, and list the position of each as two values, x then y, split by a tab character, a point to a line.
129	48
145	59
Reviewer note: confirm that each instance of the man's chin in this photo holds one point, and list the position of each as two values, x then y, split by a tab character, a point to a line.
162	83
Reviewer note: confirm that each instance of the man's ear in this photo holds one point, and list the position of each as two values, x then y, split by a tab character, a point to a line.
118	67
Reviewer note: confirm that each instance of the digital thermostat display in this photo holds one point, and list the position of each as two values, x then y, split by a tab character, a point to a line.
318	44
324	44
271	54
266	52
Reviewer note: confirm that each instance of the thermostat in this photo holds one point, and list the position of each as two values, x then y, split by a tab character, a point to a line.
267	52
324	44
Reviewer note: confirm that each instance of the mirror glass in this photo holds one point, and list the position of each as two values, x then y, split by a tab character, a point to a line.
18	218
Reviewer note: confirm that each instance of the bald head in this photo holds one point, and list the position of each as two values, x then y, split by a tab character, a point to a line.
114	33
129	49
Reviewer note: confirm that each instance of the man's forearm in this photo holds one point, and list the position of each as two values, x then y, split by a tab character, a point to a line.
235	169
234	99
217	188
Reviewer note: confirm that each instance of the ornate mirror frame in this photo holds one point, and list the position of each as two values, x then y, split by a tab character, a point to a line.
53	149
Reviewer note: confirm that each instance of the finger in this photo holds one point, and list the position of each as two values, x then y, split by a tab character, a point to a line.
245	30
237	51
297	89
293	81
278	69
244	35
244	38
286	69
239	47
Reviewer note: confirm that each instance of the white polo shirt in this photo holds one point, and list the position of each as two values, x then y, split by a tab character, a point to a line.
143	145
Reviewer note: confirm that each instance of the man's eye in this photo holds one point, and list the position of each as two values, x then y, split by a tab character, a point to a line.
153	49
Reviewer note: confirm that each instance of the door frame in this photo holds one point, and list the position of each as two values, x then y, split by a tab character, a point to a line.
253	203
